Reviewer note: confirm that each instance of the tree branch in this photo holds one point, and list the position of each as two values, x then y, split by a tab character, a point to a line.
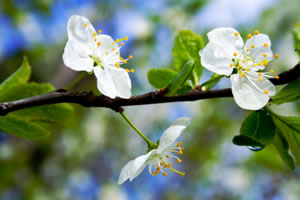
88	99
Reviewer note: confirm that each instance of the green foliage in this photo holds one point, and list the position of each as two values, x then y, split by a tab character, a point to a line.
289	93
181	77
296	34
30	123
214	79
187	45
283	149
160	78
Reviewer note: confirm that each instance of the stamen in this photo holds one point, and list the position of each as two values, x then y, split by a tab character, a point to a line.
98	44
122	44
121	58
127	70
260	79
266	92
179	160
266	45
167	156
117	65
179	144
95	39
236	34
165	174
231	65
94	34
132	70
85	25
177	172
260	73
276	77
252	46
276	56
272	71
235	54
117	52
265	62
243	61
247	69
248	49
112	49
265	55
130	57
249	36
180	152
125	61
256	32
242	75
99	31
182	148
240	66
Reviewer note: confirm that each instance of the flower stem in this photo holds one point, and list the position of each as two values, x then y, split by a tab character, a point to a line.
76	80
136	129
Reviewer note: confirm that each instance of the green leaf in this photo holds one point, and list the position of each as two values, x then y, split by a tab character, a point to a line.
283	149
243	140
187	45
21	76
290	129
160	78
289	93
296	34
181	78
214	79
21	128
259	127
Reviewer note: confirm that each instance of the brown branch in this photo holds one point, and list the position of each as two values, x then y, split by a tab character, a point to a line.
88	99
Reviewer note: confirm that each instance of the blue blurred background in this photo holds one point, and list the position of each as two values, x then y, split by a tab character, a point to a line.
83	157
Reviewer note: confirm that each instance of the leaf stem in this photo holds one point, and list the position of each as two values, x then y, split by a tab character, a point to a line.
76	80
136	129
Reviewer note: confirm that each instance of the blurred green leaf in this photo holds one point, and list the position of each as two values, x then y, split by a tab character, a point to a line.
283	149
289	93
181	78
290	129
296	34
214	79
258	126
243	140
187	45
27	122
160	78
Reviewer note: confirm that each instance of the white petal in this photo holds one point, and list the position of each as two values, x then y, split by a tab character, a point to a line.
134	167
106	49
76	56
258	41
226	37
170	135
248	92
80	29
217	59
113	82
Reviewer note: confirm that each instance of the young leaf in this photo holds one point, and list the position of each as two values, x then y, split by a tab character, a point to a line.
283	149
290	129
187	45
242	140
181	78
160	78
214	79
289	93
296	34
259	127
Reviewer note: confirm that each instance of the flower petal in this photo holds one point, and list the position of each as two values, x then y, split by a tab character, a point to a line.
113	82
76	56
134	167
106	50
80	29
228	38
170	135
217	59
249	92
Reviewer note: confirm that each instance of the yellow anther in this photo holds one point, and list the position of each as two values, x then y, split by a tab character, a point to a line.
117	65
249	36
179	144
95	39
259	64
117	52
272	71
180	152
265	62
247	69
252	46
266	92
127	70
85	25
242	75
94	34
265	55
240	66
132	70
248	49
121	58
99	31
167	156
276	55
243	61
98	44
260	79
182	148
169	165
231	64
266	45
256	32
125	61
106	53
178	160
130	57
259	74
236	34
276	77
235	54
165	174
112	49
122	44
